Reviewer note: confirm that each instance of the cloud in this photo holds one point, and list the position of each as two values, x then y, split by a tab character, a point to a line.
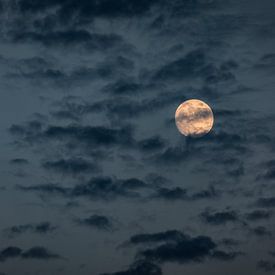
225	256
267	61
107	188
184	251
189	66
175	246
48	189
208	149
267	202
99	188
117	110
83	10
171	194
222	74
41	228
210	193
261	231
265	266
219	218
97	222
177	193
51	73
71	166
138	268
195	65
257	215
91	135
133	184
111	188
124	86
269	173
171	235
19	161
126	108
36	252
171	156
33	133
70	38
10	252
40	253
151	144
229	242
45	74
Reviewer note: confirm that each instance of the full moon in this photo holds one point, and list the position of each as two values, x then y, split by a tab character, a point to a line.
194	118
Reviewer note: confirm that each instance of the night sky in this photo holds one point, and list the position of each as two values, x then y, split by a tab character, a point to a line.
96	178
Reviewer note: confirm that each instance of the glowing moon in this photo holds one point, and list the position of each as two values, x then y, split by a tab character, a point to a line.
194	118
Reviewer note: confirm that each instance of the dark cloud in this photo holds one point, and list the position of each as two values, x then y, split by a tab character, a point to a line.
261	231
258	215
41	228
228	113
40	253
138	268
45	74
219	218
267	202
175	246
71	166
107	188
171	235
19	161
97	222
195	65
124	86
211	148
48	73
171	156
110	188
229	242
266	266
125	108
267	61
269	170
224	141
222	74
91	136
187	250
46	189
10	252
133	184
32	253
151	144
85	11
210	193
100	188
176	193
225	256
189	66
89	41
118	110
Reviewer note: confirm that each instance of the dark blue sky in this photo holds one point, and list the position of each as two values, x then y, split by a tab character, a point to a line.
95	177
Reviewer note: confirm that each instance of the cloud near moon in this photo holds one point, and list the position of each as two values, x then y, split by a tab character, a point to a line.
194	118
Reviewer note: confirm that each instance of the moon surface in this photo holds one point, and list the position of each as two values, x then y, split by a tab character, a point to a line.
194	118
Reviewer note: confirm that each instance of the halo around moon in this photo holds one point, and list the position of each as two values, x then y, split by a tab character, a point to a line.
194	118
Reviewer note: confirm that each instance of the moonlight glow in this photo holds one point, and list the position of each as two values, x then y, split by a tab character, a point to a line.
194	118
